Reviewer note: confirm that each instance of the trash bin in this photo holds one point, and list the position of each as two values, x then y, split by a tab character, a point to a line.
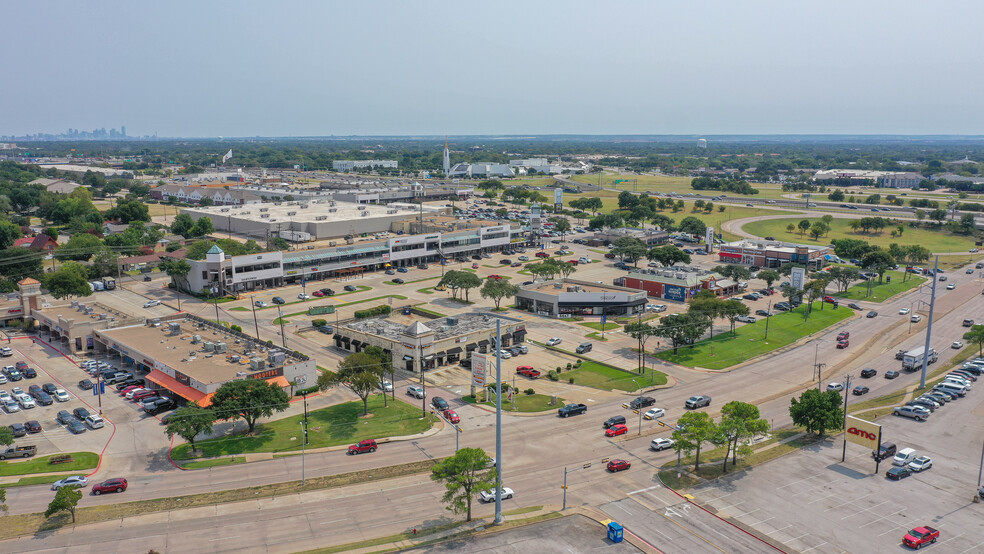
614	532
888	278
407	310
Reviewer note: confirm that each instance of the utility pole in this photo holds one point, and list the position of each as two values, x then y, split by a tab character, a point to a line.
303	442
847	388
767	318
256	325
929	325
498	422
283	333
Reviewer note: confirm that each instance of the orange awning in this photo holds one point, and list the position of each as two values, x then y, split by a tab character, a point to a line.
184	391
279	381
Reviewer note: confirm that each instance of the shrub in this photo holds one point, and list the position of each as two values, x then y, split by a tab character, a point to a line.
319	322
238	328
309	390
553	376
529	392
569	366
382	309
578	362
558	370
570	380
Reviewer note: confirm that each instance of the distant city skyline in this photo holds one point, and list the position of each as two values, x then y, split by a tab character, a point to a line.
250	68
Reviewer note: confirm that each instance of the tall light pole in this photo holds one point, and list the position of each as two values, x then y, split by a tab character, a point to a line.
283	333
498	422
767	318
847	388
256	325
929	325
303	442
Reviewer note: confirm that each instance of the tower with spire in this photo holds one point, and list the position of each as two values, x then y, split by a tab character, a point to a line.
447	158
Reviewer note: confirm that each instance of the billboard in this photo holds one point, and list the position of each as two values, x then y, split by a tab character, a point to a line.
797	278
558	196
673	292
863	432
709	239
480	369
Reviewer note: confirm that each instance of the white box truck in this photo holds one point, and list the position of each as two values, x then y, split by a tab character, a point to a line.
913	359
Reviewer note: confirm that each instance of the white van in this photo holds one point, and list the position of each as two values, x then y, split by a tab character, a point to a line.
904	456
952	388
958	380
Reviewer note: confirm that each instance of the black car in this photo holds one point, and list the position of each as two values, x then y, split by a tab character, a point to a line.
326	329
43	398
29	373
278	300
33	390
64	417
124	384
868	372
147	278
399	281
505	261
641	402
33	426
854	306
421	266
751	296
897	473
871	314
439	403
49	388
329	292
76	427
86	384
763	313
350	288
19	429
923	403
476	257
860	390
388	272
892	374
614	420
159	405
81	413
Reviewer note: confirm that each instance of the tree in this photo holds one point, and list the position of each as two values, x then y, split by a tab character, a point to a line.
790	228
878	261
707	305
976	336
804	226
19	262
66	500
79	248
360	372
3	500
769	276
629	248
627	200
202	227
190	421
734	271
938	215
740	421
818	229
668	255
732	310
682	329
497	289
844	276
836	196
641	332
177	270
697	428
693	226
387	364
129	211
249	400
817	411
6	436
464	474
8	234
182	225
562	225
469	281
71	279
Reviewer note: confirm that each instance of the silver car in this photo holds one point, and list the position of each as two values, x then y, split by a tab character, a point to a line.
416	391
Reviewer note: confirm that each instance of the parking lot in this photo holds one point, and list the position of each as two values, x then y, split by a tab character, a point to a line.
811	501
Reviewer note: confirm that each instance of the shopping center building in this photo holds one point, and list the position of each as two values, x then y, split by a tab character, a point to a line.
773	254
677	284
564	298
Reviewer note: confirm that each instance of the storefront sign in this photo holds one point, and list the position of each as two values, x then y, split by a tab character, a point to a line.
480	367
863	432
797	277
673	292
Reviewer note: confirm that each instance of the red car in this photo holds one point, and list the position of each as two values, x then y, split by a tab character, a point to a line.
542	255
20	366
317	293
844	335
616	430
452	416
110	485
829	299
367	445
609	255
843	343
920	536
618	465
142	395
475	265
128	389
528	371
496	277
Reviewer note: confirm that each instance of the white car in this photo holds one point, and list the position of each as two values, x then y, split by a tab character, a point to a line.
553	341
916	318
489	495
524	258
11	406
956	345
654	413
129	395
904	311
4	396
584	260
73	481
505	354
951	286
61	396
386	385
835	386
921	463
94	422
26	402
3	379
302	296
661	444
152	303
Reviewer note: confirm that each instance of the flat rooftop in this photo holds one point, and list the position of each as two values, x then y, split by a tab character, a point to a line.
582	286
772	245
305	211
178	352
393	326
76	311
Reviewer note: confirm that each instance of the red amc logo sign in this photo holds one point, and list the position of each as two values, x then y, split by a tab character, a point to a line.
865	434
862	432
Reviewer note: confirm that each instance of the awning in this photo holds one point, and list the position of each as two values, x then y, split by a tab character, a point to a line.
470	347
483	343
729	255
356	342
184	391
455	350
439	354
281	381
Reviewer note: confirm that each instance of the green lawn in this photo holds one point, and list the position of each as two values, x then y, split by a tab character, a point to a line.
596	336
935	241
405	282
597	326
83	461
38	480
726	350
524	402
331	426
215	462
884	291
605	377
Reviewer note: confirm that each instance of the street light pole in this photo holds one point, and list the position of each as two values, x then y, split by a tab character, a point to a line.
498	421
847	387
767	318
256	325
929	325
303	442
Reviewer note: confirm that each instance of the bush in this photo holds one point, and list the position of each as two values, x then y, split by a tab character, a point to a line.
570	380
529	392
382	309
569	366
309	390
319	322
238	328
578	362
559	369
553	376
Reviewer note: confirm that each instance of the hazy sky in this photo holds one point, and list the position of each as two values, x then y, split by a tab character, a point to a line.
276	68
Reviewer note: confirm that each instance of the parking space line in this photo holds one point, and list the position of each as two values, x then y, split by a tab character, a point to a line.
881	518
746	513
952	538
798	538
796	482
975	548
760	521
822	498
895	530
769	534
864	510
814	547
849	502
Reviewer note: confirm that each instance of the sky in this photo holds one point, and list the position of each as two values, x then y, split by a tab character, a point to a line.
412	67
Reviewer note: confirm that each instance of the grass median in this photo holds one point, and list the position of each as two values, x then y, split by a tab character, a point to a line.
932	239
331	426
881	292
82	461
605	377
726	349
529	403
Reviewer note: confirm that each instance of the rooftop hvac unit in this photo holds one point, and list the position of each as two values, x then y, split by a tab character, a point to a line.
451	321
257	364
364	214
221	347
291	213
332	203
276	357
391	211
240	375
278	203
321	218
558	285
362	208
195	339
223	210
332	210
174	327
89	311
209	346
102	316
264	209
264	215
304	206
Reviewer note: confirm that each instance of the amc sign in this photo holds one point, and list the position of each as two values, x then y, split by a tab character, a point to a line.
863	432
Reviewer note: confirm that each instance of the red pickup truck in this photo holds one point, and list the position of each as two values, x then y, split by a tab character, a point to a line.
367	445
920	536
527	371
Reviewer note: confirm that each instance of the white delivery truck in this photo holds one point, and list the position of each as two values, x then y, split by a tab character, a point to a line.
913	359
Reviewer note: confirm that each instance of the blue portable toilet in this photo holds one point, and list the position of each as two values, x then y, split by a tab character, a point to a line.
614	532
407	310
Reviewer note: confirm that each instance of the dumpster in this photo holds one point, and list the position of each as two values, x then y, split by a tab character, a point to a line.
614	532
407	310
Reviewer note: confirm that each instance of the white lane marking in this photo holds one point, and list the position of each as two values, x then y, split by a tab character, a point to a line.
777	530
644	490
